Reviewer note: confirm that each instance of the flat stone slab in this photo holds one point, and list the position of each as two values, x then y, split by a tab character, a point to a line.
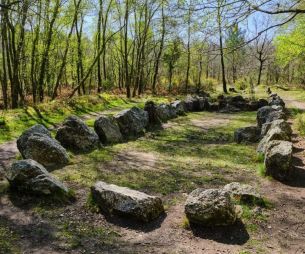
126	202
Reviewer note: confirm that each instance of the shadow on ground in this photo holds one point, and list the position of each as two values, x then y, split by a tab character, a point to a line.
129	223
234	235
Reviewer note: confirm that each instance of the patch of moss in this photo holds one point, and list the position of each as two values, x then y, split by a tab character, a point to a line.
8	239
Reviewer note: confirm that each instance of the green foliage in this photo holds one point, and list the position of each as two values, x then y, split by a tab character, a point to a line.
209	84
301	124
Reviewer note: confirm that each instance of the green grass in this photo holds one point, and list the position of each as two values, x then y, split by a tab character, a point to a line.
186	157
14	122
8	239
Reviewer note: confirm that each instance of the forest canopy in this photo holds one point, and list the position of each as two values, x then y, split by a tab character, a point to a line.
67	47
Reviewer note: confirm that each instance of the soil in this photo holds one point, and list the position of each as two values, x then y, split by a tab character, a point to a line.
283	231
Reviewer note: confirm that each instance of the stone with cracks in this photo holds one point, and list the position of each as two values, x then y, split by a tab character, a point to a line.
263	114
126	202
28	176
210	208
278	159
108	130
249	134
273	134
46	151
132	122
74	134
281	123
22	140
244	193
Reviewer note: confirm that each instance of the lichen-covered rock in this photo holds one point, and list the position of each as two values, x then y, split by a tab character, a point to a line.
244	193
249	134
189	104
166	112
124	201
269	113
237	102
22	140
273	134
210	208
281	123
108	130
278	159
46	151
276	101
154	119
179	107
132	122
74	134
276	115
28	176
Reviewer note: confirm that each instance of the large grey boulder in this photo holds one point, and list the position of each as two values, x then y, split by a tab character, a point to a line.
108	130
278	159
36	143
243	193
46	151
263	114
132	122
210	208
22	140
154	120
124	201
249	134
273	134
179	107
280	123
74	134
28	176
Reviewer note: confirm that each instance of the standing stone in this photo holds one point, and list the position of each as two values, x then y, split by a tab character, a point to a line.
262	115
46	151
36	143
153	116
22	140
132	122
249	134
74	134
278	159
124	201
179	107
281	123
108	130
163	112
28	176
210	208
273	134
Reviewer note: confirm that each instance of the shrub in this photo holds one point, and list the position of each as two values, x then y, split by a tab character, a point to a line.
209	84
241	84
